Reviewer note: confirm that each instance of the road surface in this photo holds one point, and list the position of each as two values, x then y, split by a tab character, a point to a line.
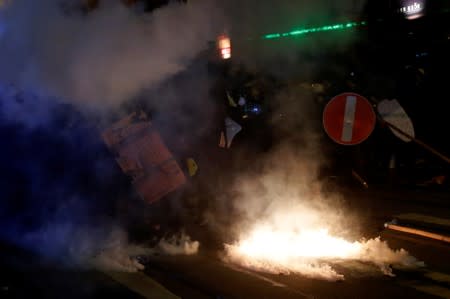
205	275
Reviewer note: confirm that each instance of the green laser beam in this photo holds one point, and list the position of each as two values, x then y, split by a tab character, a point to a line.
303	31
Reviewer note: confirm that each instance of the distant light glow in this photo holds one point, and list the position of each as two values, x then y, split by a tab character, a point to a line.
226	53
253	109
224	46
412	10
303	31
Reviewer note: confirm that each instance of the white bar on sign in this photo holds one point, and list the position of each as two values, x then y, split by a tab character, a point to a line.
349	118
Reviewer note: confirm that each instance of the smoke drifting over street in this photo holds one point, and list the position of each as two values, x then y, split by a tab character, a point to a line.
290	225
102	58
287	222
119	255
57	61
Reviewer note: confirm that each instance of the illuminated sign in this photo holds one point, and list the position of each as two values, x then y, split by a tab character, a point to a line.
412	10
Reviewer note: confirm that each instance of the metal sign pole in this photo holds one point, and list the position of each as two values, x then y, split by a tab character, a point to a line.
417	141
400	131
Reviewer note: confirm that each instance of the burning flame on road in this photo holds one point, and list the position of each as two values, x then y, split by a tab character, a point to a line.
280	246
310	252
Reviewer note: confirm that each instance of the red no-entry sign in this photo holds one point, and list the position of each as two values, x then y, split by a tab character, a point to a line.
349	118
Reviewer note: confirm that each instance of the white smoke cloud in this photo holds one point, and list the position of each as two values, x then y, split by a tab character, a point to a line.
105	248
288	222
51	54
118	255
281	206
378	252
110	55
290	225
177	245
105	57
